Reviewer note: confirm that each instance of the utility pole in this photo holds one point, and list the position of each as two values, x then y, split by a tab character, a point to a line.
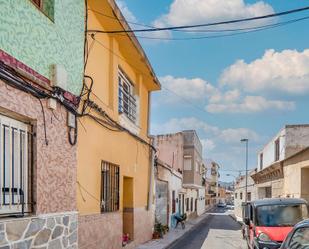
246	140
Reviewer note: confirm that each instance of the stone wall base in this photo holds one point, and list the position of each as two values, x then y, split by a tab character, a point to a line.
52	231
104	231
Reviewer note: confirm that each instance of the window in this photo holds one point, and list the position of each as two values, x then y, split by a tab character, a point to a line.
14	167
127	101
277	149
235	195
38	3
241	195
109	187
46	6
249	196
300	238
268	192
191	209
197	167
187	164
187	204
261	161
195	208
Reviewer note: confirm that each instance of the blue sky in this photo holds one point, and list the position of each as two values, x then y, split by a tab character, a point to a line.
227	88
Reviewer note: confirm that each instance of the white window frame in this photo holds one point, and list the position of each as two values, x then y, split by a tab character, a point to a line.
10	203
132	109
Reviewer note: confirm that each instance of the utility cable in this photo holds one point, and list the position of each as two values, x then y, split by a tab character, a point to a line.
250	30
204	24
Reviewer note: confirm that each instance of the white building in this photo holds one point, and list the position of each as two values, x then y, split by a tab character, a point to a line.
240	192
269	178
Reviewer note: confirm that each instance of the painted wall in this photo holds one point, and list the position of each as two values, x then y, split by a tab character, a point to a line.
174	183
296	173
31	37
293	138
240	187
109	53
193	148
55	164
269	150
170	149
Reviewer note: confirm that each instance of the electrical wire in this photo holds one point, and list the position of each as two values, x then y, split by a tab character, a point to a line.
197	30
120	57
204	24
44	121
250	30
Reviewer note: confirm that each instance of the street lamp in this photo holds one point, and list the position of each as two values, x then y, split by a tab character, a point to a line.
246	140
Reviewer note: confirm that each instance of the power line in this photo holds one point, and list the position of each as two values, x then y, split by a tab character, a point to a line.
250	30
198	30
204	24
179	96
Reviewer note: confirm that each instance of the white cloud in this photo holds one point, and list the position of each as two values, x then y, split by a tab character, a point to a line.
191	89
213	133
188	123
286	71
208	144
234	135
251	104
129	16
227	97
186	12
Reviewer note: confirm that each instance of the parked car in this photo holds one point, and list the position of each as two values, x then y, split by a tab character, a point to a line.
221	205
230	206
269	221
298	238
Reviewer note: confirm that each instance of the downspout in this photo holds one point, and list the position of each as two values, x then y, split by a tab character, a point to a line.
151	175
151	158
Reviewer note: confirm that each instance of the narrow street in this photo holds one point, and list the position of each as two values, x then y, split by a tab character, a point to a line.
216	231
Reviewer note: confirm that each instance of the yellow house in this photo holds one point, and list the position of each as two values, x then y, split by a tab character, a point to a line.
115	157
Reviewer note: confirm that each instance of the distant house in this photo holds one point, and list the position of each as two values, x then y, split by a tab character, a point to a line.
240	192
183	152
280	161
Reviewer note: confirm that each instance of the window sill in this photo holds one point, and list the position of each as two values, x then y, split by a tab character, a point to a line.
128	124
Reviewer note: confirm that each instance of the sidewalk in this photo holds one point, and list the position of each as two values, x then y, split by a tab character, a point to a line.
173	235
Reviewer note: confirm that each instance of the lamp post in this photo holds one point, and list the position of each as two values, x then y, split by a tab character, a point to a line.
246	140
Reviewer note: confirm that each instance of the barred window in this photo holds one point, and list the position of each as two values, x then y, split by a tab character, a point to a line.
109	187
14	167
127	101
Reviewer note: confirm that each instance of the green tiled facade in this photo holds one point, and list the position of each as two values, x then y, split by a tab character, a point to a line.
40	39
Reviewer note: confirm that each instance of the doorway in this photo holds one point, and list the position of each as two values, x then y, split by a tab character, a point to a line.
128	208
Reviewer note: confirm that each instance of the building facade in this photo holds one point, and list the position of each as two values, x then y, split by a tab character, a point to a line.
169	194
183	152
115	155
193	171
41	75
270	176
240	192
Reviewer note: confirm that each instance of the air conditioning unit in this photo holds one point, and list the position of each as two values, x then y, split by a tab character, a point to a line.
59	76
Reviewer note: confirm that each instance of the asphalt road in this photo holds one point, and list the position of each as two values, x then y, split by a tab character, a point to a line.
217	231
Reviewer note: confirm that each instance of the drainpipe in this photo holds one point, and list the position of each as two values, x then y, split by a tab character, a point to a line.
151	175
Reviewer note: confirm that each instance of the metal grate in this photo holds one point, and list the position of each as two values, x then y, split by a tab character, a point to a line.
127	102
109	187
14	167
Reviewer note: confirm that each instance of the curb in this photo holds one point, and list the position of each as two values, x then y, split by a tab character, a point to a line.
233	216
190	229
